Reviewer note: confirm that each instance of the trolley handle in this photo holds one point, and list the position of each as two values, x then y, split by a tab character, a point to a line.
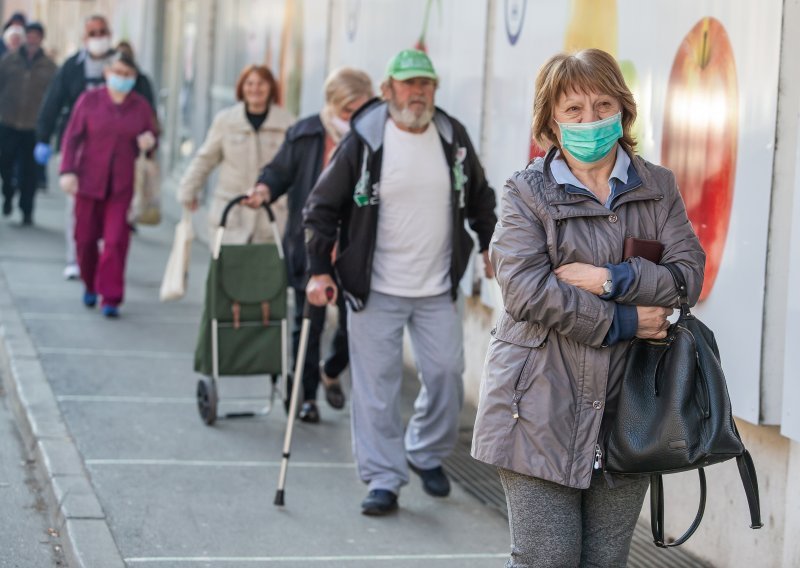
236	201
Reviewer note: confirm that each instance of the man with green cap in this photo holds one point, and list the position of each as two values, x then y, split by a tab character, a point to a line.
396	197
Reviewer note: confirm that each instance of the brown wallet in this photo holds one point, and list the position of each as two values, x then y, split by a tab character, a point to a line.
643	248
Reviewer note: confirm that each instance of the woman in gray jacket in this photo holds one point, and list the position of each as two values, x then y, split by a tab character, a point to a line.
572	305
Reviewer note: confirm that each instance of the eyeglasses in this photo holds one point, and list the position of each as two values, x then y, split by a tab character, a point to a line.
97	33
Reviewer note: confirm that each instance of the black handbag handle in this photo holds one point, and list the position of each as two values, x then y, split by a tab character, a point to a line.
235	201
747	471
657	510
683	291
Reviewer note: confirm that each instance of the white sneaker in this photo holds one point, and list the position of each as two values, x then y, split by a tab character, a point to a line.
72	272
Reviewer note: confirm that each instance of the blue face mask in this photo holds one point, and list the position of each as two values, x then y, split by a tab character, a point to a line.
591	141
120	84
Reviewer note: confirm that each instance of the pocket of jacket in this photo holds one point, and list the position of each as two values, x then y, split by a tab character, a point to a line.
522	333
529	338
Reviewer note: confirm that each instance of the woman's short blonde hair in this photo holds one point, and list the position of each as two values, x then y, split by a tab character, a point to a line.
587	71
344	85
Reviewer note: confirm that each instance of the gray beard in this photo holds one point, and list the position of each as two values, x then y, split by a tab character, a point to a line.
408	119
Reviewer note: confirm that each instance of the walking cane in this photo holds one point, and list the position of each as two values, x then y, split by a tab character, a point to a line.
298	374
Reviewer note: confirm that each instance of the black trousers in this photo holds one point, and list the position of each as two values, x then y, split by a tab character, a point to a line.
16	161
337	360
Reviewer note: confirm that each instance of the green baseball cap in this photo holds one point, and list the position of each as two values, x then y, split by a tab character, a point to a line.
410	63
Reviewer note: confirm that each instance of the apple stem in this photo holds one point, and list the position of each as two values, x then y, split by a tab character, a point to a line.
704	50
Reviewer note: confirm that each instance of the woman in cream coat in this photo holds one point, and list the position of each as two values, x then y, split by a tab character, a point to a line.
241	139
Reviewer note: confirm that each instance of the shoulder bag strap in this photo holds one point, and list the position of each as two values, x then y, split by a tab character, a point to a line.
747	471
657	510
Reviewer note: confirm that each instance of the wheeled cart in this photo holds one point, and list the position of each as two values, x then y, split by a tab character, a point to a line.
244	330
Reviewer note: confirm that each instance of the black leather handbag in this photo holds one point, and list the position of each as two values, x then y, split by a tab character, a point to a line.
674	415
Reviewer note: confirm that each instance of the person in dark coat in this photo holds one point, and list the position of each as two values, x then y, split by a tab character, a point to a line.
304	154
107	130
24	77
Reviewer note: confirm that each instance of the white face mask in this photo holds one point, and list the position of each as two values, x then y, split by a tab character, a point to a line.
98	46
342	126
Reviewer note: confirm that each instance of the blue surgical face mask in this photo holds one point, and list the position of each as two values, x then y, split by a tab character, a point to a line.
119	83
591	141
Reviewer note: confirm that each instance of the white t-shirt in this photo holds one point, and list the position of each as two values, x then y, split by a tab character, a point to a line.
414	242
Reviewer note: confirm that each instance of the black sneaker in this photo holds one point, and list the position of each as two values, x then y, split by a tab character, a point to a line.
309	413
434	481
7	207
379	502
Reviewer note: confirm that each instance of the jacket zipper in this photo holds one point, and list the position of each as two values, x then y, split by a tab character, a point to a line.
515	405
598	457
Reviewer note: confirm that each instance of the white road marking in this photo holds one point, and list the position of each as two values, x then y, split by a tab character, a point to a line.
216	463
94	352
138	318
152	399
344	558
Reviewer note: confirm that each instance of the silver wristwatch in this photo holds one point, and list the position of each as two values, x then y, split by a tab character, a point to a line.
608	286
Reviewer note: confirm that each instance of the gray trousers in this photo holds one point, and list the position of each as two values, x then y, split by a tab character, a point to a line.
380	447
553	526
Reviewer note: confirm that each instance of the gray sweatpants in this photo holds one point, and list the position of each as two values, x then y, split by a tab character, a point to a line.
376	367
553	526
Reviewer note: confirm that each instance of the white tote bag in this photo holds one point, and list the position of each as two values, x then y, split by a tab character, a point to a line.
173	286
146	204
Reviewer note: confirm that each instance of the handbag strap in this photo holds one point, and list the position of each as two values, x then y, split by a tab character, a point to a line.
683	291
657	510
747	471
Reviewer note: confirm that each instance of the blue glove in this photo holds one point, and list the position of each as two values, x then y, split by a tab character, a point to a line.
41	153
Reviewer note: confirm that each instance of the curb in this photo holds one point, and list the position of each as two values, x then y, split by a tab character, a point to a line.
88	542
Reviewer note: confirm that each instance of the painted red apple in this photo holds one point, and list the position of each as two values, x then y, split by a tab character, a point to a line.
535	150
700	135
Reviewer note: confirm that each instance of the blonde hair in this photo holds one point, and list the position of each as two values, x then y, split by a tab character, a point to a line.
344	85
589	70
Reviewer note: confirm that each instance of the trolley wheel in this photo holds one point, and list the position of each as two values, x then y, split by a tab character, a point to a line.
207	400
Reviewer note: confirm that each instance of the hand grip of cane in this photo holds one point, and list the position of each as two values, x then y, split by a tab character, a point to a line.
329	291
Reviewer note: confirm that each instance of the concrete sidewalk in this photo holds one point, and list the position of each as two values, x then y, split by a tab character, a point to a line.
139	479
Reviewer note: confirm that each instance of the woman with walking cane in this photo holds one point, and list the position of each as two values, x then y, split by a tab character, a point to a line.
572	306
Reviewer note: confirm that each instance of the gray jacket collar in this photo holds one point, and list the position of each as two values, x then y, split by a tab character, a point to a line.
555	194
370	122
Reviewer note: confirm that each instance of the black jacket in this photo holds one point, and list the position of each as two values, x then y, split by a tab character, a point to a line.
64	90
344	203
295	169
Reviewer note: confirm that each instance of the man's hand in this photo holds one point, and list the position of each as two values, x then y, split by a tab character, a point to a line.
315	290
68	183
146	141
653	322
488	269
192	205
584	276
257	195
